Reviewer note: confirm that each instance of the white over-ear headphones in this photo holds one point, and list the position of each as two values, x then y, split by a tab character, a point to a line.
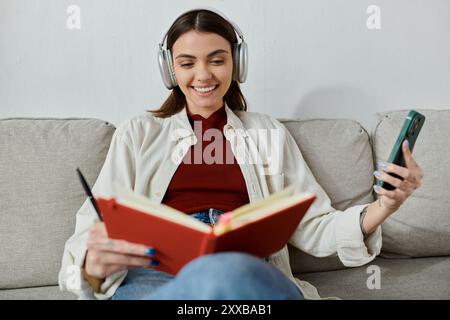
240	56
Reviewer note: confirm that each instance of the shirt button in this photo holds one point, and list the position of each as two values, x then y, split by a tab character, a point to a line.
157	193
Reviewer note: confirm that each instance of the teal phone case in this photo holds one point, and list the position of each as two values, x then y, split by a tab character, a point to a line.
410	131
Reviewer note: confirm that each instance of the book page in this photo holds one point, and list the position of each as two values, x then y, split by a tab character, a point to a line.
259	210
250	207
139	202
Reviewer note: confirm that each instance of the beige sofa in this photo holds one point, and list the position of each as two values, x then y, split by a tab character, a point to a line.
40	194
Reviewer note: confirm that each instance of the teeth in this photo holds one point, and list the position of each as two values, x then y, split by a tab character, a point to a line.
204	89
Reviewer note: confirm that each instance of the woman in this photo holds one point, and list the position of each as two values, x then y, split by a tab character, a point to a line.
155	154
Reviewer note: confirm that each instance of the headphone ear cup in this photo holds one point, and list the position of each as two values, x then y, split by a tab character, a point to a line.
236	60
243	61
173	79
166	69
240	64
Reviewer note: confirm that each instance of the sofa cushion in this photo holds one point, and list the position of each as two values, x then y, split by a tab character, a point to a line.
41	193
421	226
339	154
415	278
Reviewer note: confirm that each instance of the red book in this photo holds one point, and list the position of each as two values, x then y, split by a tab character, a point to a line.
260	228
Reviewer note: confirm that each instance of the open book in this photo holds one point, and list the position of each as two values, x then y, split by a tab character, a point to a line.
260	228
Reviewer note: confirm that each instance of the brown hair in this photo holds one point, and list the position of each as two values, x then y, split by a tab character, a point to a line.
203	21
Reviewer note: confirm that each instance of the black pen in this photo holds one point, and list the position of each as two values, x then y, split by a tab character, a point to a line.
89	193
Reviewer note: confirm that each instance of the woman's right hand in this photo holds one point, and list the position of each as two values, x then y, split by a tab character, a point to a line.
106	256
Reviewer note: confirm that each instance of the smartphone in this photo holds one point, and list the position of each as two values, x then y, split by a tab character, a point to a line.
410	131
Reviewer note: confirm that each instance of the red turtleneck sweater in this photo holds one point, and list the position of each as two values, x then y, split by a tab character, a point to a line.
200	186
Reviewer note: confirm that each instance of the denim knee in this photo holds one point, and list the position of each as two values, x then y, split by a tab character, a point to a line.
235	275
231	264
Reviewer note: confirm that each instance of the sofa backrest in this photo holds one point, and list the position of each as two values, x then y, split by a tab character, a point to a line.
40	192
339	154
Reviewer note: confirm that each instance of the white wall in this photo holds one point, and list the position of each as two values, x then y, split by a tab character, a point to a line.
308	59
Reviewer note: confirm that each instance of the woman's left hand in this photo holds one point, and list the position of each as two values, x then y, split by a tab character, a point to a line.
412	175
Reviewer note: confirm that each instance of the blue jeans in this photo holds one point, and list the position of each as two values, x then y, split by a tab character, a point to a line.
225	275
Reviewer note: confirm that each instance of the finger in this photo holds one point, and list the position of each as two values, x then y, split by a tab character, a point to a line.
111	258
383	176
120	246
387	193
110	269
409	160
398	170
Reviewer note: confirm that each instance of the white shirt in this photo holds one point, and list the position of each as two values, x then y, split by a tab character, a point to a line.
145	152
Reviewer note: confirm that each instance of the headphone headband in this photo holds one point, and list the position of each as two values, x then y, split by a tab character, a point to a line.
235	26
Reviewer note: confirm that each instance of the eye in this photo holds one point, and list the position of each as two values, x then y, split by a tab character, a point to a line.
217	62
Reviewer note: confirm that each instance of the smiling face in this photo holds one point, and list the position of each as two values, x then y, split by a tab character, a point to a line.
203	67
